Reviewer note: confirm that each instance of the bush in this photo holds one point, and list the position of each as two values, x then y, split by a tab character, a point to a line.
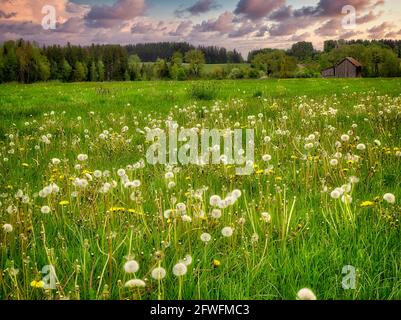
204	91
236	73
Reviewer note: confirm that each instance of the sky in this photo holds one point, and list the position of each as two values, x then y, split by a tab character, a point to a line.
235	24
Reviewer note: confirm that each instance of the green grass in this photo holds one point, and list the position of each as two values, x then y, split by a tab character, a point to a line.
88	243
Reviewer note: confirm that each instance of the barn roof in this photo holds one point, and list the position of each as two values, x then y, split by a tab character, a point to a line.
355	62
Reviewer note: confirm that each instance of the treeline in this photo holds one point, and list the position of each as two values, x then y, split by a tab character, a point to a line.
25	62
150	52
380	58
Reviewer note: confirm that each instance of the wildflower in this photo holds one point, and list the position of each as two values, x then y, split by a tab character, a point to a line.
37	284
131	266
389	198
367	204
216	214
45	209
205	237
56	161
82	157
333	162
181	207
214	200
136	183
8	228
216	263
308	146
306	294
378	143
345	137
236	193
64	203
97	174
121	172
186	218
227	232
180	269
361	147
169	175
266	217
158	273
187	260
267	158
135	283
335	194
347	199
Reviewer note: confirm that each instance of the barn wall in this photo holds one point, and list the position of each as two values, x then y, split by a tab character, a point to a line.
346	70
328	73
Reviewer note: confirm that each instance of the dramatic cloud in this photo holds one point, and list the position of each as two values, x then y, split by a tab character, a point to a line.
201	6
223	24
380	31
257	9
4	15
104	16
330	8
182	29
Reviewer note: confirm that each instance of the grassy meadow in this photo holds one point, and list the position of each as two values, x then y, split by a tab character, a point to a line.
76	194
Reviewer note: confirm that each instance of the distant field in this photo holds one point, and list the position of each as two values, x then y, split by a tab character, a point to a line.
75	194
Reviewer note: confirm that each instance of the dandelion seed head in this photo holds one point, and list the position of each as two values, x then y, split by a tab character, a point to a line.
131	266
180	269
389	198
158	273
306	294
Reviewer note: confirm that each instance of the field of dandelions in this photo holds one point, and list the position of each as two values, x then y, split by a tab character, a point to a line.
77	195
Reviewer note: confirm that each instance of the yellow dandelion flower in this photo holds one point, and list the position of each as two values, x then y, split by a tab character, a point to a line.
64	203
278	179
260	171
216	263
367	204
25	165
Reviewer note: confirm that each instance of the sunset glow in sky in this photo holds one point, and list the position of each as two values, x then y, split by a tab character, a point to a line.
240	24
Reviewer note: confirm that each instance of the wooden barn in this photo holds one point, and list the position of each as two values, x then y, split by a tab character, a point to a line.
346	68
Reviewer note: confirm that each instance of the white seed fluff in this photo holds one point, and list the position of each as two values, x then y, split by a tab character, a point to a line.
180	269
158	273
131	266
306	294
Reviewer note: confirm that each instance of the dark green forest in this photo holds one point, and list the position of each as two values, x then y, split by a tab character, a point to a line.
27	62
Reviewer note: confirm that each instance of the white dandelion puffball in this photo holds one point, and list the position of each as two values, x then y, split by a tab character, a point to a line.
347	199
361	147
214	200
56	161
135	283
335	194
389	198
227	232
333	162
187	260
158	273
45	209
121	172
266	217
216	214
267	157
131	266
169	175
236	193
7	228
345	137
82	157
306	294
205	237
180	269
